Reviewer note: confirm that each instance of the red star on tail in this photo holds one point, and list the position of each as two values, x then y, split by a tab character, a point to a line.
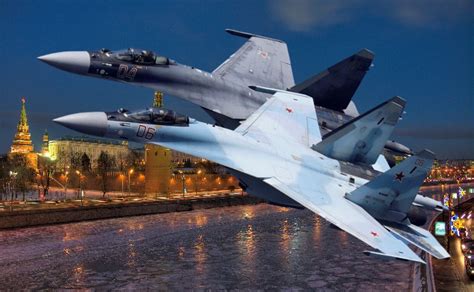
289	110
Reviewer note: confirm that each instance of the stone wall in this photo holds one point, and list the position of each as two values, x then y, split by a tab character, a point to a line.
28	218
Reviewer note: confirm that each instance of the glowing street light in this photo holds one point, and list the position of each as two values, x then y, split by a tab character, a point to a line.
122	178
129	174
81	191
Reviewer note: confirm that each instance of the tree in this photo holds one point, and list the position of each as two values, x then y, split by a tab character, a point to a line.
46	167
134	160
4	177
75	160
105	164
85	163
21	175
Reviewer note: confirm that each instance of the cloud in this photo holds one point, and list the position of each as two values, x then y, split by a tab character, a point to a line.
304	15
429	12
300	15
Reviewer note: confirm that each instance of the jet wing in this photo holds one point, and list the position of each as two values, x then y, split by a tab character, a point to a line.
285	118
346	215
334	87
261	60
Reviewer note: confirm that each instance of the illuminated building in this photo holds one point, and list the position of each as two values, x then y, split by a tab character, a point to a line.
22	143
45	145
157	169
63	149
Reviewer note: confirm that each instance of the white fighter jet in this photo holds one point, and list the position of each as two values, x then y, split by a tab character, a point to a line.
278	154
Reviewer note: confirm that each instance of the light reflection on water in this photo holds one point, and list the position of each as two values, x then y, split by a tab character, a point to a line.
200	254
317	229
241	247
132	253
78	273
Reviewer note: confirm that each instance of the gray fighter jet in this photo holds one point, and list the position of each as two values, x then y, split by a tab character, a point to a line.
225	94
279	154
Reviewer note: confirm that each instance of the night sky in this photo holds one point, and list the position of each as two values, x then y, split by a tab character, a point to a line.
424	53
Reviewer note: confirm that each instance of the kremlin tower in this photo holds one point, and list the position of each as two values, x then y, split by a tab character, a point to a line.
45	147
22	143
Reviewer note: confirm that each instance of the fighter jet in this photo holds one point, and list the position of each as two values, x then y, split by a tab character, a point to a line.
279	154
224	93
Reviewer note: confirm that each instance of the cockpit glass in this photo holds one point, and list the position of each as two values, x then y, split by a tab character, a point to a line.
158	116
142	57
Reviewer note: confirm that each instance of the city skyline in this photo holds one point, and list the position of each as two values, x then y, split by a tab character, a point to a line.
426	59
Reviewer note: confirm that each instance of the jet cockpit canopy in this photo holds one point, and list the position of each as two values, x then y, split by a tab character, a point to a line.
141	57
152	115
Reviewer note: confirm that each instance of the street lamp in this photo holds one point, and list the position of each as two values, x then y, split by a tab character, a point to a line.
81	191
182	178
122	178
129	174
66	177
13	175
197	180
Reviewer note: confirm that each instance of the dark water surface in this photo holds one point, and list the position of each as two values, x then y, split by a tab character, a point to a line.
241	247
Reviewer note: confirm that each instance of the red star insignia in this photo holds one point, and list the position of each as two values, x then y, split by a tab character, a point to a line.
399	176
289	110
375	234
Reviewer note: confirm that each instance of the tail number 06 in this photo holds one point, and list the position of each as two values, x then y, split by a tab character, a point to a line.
146	132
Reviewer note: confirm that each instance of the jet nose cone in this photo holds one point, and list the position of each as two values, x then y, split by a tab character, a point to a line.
91	123
75	62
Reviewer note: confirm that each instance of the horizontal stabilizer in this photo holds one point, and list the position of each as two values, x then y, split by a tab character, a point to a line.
334	87
362	139
390	195
421	238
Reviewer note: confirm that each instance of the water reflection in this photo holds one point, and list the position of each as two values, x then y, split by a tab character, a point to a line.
285	235
70	236
181	253
248	248
78	273
343	237
248	212
132	254
200	253
317	229
201	220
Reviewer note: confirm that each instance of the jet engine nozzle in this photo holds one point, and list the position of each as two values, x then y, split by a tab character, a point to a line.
91	123
75	62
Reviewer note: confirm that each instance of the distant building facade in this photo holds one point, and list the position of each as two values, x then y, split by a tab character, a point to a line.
63	149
